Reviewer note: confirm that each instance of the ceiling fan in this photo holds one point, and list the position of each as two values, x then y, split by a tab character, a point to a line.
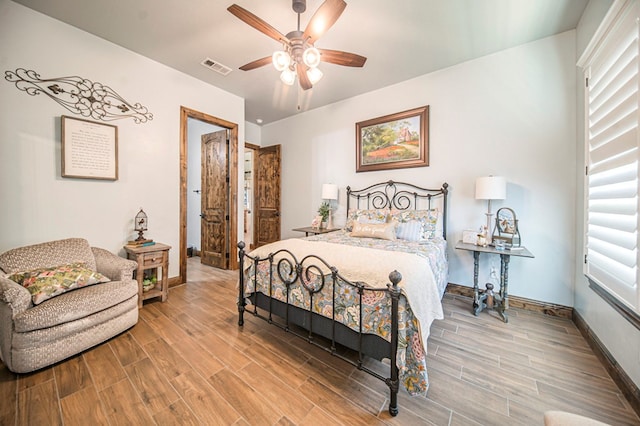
299	57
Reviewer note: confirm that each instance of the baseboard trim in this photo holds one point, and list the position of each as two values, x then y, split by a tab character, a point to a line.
174	281
621	379
520	302
626	385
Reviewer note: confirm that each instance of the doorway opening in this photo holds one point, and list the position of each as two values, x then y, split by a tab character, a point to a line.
207	124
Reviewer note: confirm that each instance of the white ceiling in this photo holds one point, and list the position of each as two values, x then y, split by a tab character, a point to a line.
402	39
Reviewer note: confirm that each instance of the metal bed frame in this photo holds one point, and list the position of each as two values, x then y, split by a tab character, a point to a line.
321	331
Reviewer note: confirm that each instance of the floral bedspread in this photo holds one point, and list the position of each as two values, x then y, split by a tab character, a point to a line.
376	304
435	251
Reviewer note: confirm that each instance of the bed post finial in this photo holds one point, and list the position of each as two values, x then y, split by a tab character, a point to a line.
395	277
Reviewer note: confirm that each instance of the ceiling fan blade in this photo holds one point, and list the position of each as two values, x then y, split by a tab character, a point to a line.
339	57
326	15
256	64
257	23
302	77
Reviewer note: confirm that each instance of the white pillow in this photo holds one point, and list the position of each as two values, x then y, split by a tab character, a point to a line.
410	231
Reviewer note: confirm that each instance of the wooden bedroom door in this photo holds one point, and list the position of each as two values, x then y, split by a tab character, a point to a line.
267	202
214	232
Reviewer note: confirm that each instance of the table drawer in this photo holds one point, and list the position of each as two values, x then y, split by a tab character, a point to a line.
152	259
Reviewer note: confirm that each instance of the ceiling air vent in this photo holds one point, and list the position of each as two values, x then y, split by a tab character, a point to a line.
216	66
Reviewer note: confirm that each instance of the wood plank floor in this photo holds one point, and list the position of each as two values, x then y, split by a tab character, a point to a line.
187	362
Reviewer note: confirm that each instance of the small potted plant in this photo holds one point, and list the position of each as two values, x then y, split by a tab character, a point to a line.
324	210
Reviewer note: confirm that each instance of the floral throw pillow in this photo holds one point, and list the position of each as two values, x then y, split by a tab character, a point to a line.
45	283
366	216
428	220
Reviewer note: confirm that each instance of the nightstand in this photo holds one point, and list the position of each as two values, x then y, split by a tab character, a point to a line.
150	258
314	231
484	299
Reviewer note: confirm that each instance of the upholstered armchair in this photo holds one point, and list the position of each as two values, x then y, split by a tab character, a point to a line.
60	298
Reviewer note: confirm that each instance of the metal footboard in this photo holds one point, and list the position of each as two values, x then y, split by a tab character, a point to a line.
318	329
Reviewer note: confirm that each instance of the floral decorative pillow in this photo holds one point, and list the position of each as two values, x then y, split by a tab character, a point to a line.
45	283
366	216
383	231
427	218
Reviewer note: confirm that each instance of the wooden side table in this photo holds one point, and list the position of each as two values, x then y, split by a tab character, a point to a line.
150	258
482	299
314	231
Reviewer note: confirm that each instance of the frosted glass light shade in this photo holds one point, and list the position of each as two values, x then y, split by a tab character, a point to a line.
288	77
311	57
281	60
329	191
491	188
314	75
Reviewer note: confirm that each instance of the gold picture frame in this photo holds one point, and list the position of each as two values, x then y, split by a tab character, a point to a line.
89	149
395	141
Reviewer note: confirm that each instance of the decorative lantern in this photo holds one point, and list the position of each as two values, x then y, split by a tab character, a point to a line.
140	223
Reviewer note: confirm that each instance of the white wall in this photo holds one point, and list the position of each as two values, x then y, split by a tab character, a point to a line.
252	133
37	203
511	114
621	338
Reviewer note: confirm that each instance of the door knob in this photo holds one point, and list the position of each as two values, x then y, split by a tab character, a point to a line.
202	215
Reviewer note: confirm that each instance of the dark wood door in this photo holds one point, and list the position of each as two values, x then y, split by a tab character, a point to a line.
215	200
267	202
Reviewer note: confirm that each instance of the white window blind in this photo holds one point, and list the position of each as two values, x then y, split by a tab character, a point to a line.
612	161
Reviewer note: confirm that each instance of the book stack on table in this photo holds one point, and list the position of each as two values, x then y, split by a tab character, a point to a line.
140	243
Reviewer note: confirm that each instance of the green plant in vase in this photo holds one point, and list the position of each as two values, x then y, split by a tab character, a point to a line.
324	210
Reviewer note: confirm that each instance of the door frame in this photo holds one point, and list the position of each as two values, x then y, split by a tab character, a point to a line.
185	114
255	149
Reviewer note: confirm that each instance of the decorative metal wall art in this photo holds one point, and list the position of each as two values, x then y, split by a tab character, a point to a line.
80	96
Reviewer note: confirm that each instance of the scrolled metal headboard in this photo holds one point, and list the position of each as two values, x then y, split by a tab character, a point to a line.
399	196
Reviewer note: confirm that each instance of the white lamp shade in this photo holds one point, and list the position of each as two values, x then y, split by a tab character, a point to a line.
329	191
491	188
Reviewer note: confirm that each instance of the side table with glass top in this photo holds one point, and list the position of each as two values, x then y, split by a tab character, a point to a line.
487	298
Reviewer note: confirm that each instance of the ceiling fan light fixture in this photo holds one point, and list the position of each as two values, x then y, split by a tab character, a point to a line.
314	75
288	77
281	60
311	57
298	58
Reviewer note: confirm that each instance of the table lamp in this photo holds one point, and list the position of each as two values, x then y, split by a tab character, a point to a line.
490	188
330	193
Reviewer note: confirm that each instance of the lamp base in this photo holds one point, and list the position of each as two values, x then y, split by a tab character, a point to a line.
488	228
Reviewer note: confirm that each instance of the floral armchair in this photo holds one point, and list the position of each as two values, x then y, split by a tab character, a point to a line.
60	298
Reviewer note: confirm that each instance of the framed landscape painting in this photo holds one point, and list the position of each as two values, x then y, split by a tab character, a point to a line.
394	141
